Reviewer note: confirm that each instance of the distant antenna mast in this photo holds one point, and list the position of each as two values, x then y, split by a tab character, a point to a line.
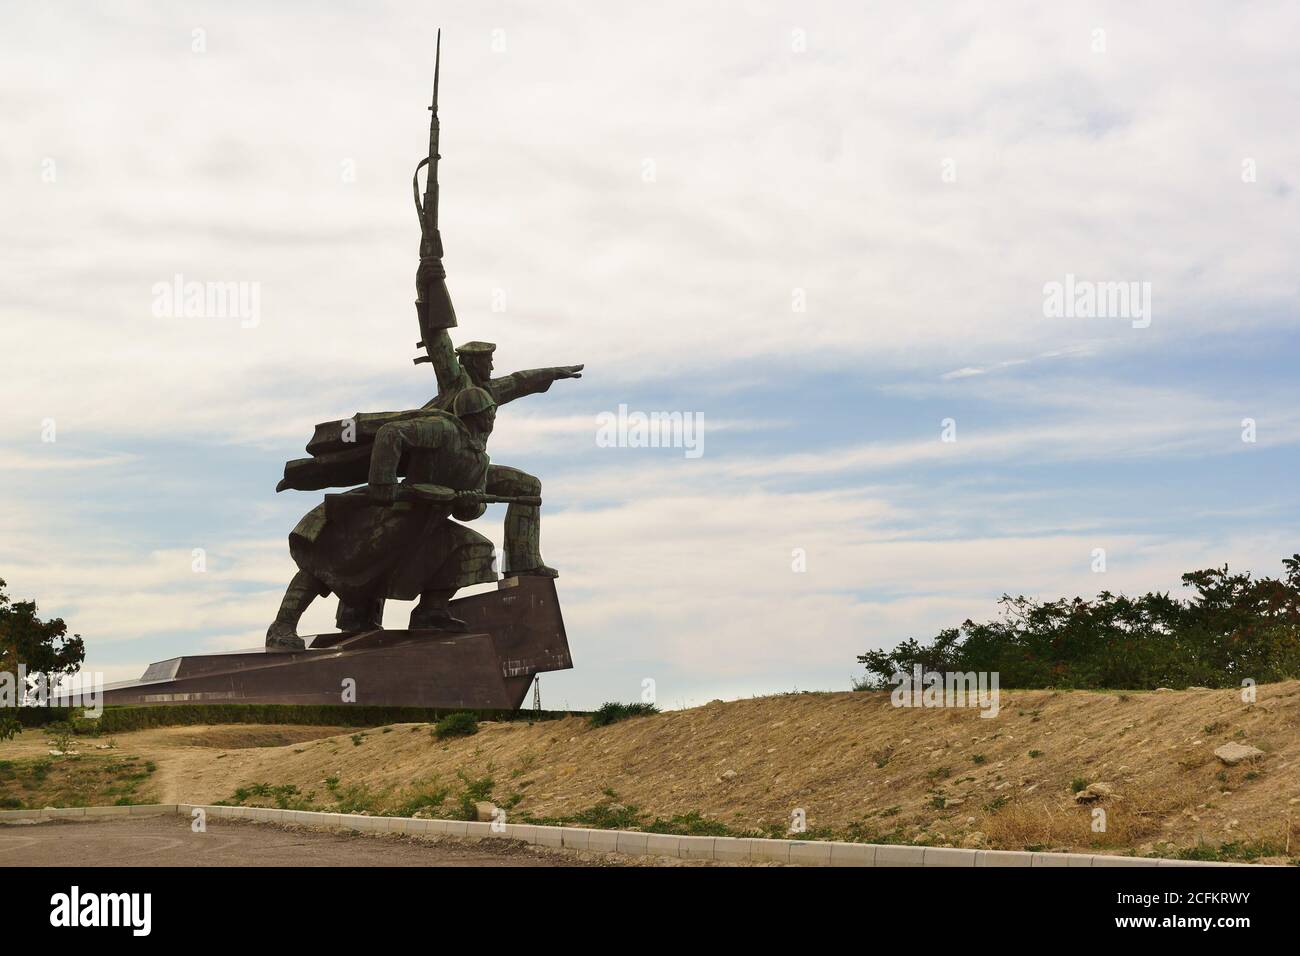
537	697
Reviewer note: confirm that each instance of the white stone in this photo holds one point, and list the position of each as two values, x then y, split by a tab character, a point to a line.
1235	753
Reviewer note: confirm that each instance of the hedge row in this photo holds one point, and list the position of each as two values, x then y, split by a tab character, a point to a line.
122	719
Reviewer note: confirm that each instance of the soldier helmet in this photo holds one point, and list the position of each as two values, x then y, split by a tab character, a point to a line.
476	348
472	401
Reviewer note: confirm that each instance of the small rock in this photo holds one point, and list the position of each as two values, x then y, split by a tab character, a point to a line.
1234	753
728	775
1164	690
483	811
1094	792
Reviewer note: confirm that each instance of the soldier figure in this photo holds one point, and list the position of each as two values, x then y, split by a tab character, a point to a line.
396	540
471	366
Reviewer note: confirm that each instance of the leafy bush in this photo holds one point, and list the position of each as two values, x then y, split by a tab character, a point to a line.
286	796
476	789
1232	627
689	824
611	712
354	798
460	724
423	796
61	735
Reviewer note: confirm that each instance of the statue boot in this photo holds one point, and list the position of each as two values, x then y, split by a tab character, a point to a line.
353	618
523	550
283	633
432	614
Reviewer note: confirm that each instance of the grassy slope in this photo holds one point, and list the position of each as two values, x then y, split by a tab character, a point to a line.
858	767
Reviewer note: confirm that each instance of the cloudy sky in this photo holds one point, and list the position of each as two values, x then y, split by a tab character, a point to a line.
825	229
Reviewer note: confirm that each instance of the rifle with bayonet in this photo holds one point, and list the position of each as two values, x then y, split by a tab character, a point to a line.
433	306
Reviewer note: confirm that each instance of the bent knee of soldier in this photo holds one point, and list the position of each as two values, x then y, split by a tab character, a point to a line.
511	481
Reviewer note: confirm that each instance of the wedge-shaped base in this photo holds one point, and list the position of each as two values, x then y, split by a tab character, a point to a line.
514	632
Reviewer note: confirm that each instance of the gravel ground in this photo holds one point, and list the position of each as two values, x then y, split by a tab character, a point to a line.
168	841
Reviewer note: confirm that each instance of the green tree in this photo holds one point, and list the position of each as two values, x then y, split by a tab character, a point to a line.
1232	627
43	647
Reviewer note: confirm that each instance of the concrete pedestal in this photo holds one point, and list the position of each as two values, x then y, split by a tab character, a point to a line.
514	633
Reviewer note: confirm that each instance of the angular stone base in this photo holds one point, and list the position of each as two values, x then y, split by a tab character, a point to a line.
514	633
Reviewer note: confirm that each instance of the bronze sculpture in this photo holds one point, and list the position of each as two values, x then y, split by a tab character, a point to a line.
396	538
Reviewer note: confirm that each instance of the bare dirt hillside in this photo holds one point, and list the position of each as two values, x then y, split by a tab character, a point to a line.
856	766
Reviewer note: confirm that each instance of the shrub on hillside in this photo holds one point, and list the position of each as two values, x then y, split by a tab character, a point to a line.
460	724
1232	627
611	712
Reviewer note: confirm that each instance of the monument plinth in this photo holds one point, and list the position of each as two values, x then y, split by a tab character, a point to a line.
515	632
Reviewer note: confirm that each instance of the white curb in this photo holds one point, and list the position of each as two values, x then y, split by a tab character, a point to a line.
718	849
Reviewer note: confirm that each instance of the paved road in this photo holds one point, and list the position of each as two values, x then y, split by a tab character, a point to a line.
168	841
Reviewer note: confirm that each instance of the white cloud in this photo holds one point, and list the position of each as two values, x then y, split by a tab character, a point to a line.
1097	164
776	171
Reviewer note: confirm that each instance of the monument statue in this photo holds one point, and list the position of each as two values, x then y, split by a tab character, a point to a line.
336	554
409	480
397	540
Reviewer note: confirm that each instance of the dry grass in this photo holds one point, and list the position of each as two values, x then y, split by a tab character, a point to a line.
857	766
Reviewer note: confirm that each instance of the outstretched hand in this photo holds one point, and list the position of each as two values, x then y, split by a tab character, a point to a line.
571	371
